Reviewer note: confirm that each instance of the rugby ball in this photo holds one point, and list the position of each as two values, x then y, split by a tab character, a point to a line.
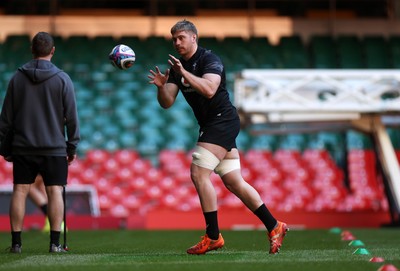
122	57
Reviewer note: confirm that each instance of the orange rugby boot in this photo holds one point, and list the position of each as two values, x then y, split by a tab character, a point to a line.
206	244
276	237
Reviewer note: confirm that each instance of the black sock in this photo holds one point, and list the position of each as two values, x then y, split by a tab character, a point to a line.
44	209
212	229
16	238
266	217
55	237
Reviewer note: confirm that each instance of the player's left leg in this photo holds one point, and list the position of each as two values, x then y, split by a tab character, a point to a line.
55	177
55	212
230	173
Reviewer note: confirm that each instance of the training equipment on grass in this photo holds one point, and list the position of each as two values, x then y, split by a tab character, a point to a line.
377	260
65	246
356	243
388	267
361	251
122	57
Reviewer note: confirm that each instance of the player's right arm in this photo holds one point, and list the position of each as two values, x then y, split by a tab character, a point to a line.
166	92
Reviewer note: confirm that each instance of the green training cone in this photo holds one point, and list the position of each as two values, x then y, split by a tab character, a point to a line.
335	230
361	251
356	243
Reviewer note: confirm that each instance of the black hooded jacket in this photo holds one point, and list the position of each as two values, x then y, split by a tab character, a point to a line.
40	109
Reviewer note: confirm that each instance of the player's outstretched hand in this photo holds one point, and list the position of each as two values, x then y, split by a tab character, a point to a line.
175	64
157	78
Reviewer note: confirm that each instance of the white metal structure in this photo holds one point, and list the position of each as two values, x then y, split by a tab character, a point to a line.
317	95
360	98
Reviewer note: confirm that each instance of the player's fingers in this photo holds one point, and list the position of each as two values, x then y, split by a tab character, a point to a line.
173	58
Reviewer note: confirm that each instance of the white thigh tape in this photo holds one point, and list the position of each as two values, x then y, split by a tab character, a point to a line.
204	158
226	166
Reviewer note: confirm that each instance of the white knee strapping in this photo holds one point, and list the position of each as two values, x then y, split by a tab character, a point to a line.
226	166
204	158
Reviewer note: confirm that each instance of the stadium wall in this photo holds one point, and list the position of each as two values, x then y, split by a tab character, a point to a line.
272	27
229	219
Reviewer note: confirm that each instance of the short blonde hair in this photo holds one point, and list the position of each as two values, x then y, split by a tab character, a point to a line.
185	25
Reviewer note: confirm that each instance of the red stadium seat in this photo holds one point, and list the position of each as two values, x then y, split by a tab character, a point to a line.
116	194
153	192
169	201
138	183
97	156
119	210
103	185
140	167
104	203
88	176
167	183
132	202
126	157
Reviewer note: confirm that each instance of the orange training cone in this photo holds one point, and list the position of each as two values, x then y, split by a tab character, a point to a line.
388	267
377	260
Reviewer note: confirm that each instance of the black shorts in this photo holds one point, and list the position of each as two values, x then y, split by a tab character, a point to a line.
223	134
54	169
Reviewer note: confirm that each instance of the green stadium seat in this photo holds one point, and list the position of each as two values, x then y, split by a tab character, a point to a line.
264	142
17	42
265	54
17	50
356	140
394	51
293	141
86	113
293	53
237	49
97	139
322	52
243	140
112	145
349	52
394	134
376	52
213	44
127	140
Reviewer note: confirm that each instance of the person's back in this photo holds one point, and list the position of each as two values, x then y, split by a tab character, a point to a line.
39	111
42	99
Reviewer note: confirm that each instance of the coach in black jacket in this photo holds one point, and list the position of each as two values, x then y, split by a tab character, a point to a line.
40	111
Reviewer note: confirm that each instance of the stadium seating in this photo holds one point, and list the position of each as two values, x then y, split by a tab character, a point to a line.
376	52
322	52
134	150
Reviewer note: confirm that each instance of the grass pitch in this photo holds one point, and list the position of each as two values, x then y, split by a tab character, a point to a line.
166	250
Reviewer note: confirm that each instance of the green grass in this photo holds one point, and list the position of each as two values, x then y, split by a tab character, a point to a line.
165	250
